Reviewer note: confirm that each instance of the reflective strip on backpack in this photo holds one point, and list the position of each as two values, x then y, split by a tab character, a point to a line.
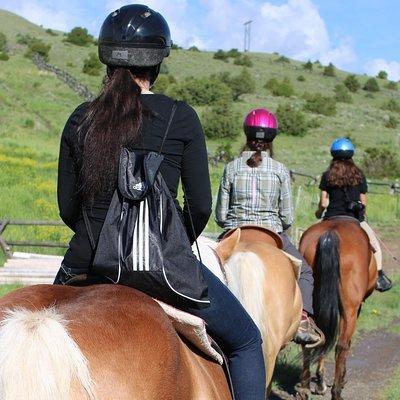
146	237
141	240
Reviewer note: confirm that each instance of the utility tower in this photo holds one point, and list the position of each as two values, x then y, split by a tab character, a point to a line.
247	35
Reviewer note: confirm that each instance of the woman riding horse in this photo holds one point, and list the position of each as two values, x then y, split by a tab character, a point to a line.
133	42
344	192
255	189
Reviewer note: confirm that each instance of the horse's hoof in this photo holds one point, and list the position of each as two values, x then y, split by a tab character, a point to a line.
320	389
302	393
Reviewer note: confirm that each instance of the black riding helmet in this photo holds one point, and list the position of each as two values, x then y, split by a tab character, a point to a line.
134	36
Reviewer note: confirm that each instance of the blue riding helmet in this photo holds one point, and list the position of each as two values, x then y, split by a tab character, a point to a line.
342	149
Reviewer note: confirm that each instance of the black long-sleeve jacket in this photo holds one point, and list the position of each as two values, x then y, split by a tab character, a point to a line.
185	158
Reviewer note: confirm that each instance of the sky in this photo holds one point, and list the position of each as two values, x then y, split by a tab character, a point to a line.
357	35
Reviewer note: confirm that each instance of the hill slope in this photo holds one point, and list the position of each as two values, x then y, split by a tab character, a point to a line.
34	106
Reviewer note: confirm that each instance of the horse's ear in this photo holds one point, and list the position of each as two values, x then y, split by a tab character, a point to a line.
227	245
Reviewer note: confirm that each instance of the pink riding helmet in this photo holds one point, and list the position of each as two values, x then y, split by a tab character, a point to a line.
260	124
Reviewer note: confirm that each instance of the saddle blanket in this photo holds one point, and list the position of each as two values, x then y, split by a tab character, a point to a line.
192	328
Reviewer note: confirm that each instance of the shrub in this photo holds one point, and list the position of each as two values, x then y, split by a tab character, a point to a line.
221	121
391	105
391	85
24	39
233	53
164	68
225	152
308	66
382	75
221	55
194	48
201	91
283	59
92	65
79	36
319	104
176	47
239	84
4	56
243	60
29	123
381	162
301	78
391	122
38	46
291	120
163	82
51	32
352	83
3	42
330	70
371	85
342	94
70	64
283	88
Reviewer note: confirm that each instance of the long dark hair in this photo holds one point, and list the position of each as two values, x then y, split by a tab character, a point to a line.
113	121
258	146
343	173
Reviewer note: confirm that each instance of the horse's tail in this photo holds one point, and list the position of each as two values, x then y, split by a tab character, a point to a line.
327	302
39	359
246	276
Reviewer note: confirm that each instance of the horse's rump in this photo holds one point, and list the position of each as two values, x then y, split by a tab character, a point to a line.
130	345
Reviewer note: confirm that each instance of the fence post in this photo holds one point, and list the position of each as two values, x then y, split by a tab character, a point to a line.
3	244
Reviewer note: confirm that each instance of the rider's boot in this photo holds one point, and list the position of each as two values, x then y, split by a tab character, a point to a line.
383	283
308	332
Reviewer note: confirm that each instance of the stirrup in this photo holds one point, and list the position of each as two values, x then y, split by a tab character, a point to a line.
383	283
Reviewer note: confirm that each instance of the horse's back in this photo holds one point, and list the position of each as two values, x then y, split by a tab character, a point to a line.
132	347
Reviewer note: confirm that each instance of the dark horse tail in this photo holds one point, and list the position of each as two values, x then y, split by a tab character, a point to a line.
327	303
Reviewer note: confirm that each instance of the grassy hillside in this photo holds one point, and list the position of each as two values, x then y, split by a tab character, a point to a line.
34	106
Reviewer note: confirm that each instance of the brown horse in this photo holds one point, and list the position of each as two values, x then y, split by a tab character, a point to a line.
345	274
98	342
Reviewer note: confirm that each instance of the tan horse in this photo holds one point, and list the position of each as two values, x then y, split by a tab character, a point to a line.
345	275
264	279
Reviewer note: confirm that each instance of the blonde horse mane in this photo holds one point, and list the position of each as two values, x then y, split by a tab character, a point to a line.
39	359
246	274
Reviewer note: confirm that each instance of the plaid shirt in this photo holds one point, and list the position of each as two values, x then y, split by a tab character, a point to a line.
258	196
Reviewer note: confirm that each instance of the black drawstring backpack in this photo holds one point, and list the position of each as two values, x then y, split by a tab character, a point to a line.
143	242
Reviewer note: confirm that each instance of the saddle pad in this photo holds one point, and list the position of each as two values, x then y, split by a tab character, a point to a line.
192	328
296	263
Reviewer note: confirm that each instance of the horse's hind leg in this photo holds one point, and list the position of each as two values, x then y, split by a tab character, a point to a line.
347	327
321	386
303	388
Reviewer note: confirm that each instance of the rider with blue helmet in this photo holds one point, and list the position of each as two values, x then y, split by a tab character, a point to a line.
344	192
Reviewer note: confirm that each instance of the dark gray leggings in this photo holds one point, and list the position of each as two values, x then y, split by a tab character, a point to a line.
306	281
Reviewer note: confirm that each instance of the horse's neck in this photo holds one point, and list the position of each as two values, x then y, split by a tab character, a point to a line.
208	256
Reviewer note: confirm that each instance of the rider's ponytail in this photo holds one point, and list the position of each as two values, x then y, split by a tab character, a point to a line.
112	122
258	146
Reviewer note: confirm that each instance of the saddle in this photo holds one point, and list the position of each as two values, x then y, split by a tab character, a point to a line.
342	217
257	233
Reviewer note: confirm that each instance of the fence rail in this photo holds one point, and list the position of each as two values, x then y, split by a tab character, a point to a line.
6	245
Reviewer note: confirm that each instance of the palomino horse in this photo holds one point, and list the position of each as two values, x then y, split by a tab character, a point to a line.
345	275
112	342
264	279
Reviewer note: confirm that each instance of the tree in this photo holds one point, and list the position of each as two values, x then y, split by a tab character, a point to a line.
92	65
329	70
221	55
342	94
79	36
283	88
292	121
308	66
382	75
319	104
221	121
371	85
352	83
39	47
194	48
239	84
233	53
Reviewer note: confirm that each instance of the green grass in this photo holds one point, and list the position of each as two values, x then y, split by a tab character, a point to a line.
393	392
4	289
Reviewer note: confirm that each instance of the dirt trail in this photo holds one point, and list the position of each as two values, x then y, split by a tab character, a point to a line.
374	356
